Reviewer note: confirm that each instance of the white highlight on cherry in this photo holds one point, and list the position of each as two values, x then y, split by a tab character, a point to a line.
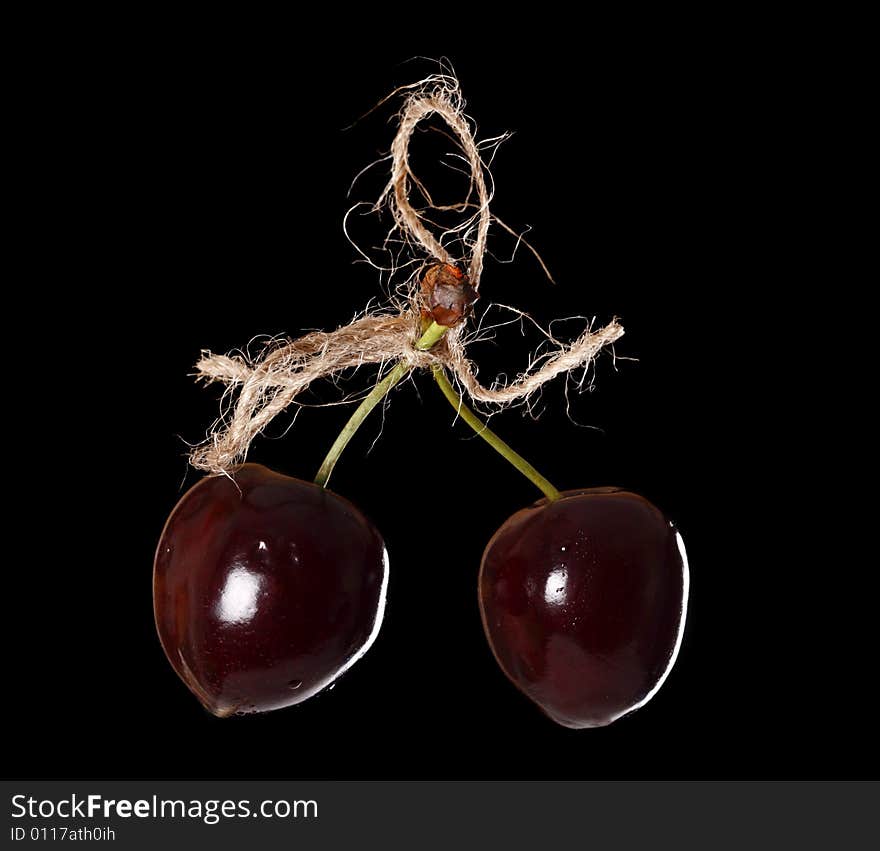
686	582
240	595
556	586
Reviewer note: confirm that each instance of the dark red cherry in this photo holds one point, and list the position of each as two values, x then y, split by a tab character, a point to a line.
266	589
583	602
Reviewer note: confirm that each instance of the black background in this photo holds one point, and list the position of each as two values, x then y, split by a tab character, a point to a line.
190	195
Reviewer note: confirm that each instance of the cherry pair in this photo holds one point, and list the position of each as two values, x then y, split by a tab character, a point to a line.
268	588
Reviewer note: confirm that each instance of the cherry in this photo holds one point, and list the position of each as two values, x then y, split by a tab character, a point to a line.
583	600
266	589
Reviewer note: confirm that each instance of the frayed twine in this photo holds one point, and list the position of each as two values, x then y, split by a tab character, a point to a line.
267	385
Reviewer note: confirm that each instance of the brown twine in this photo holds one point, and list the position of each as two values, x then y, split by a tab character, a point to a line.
266	386
440	95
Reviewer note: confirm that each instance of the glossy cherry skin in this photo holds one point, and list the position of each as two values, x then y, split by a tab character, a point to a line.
266	589
583	602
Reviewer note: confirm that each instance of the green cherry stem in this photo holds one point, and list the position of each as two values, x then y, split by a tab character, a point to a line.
491	438
432	334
